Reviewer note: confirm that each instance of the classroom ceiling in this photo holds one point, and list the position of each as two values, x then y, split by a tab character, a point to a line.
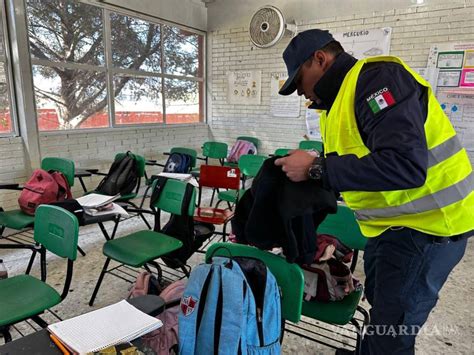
236	13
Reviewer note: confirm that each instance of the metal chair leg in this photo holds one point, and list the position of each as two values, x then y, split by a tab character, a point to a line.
213	194
140	214
359	336
30	263
99	281
37	319
224	232
144	196
5	332
82	252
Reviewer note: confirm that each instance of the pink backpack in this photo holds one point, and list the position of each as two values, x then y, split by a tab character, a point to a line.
240	148
164	339
43	188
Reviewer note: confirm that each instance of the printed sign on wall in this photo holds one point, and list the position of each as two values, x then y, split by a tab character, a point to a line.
244	87
283	106
366	43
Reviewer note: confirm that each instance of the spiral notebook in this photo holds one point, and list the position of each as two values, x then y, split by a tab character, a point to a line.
108	326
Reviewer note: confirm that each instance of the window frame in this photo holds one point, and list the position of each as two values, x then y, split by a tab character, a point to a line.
110	71
9	75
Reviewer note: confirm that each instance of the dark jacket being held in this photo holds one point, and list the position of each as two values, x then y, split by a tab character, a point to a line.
279	212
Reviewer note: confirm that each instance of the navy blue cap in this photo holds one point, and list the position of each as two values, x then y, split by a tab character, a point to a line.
298	51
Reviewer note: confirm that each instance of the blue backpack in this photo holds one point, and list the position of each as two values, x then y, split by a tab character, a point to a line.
231	306
178	163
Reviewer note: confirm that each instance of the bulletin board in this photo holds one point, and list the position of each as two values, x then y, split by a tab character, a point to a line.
455	62
455	86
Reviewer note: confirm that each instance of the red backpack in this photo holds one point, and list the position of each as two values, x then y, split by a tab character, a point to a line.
43	188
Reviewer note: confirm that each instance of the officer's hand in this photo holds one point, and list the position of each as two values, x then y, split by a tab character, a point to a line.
297	164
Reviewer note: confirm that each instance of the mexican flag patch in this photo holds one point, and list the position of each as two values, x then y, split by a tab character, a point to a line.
380	100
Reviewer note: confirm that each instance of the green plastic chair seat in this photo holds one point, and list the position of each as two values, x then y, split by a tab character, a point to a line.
338	312
16	219
24	296
230	195
317	145
282	151
138	248
232	165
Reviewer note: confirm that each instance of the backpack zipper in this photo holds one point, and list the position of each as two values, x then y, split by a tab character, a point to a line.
37	190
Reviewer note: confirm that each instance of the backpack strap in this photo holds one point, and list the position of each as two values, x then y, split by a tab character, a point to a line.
208	330
232	306
63	184
160	184
140	287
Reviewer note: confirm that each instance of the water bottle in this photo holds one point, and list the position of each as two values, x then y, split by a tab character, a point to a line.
3	270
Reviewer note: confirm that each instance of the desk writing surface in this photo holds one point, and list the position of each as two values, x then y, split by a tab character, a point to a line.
39	343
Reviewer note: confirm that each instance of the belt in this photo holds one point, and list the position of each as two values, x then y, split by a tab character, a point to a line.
442	240
454	238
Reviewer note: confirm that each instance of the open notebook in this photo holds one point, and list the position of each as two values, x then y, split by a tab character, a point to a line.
99	329
93	200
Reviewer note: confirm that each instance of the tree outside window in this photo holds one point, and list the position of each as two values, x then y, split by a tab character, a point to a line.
82	78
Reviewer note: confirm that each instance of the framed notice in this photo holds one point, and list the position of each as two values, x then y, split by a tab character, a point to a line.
450	60
449	78
467	78
469	59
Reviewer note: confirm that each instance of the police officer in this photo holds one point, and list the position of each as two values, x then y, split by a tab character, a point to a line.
393	154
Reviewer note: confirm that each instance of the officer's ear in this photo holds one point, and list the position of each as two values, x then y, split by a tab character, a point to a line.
322	59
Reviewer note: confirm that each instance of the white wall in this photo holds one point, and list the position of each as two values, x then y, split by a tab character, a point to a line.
414	30
12	168
95	149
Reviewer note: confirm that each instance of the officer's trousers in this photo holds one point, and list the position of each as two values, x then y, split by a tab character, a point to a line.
405	269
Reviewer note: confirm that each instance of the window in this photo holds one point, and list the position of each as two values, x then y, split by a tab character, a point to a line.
6	114
95	68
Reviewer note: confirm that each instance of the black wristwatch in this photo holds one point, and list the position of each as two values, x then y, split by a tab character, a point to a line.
315	171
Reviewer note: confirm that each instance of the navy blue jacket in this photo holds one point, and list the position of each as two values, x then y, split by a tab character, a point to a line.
395	135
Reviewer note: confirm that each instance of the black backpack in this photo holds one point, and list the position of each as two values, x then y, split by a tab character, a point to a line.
122	177
178	163
192	234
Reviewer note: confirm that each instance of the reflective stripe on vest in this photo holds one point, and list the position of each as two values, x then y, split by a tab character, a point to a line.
443	206
437	200
443	151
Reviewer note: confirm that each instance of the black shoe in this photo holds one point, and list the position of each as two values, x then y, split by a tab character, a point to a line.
345	352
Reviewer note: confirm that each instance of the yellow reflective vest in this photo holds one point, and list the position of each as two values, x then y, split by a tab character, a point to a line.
443	206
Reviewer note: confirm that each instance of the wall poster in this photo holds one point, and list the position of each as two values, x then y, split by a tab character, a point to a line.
244	87
283	106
